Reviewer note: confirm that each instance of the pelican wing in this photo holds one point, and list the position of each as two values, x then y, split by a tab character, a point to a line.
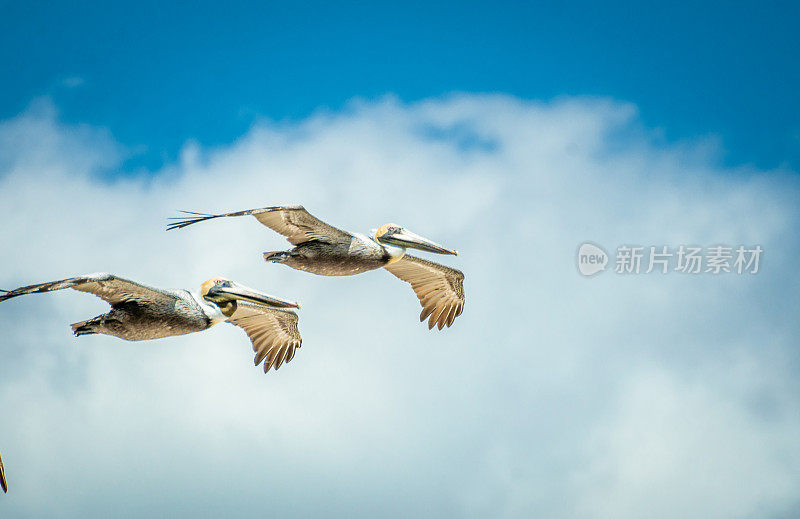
294	222
105	286
440	289
272	331
3	483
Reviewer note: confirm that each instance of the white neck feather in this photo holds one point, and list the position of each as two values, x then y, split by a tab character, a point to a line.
211	310
395	253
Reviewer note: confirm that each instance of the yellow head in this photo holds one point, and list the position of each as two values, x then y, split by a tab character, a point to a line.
385	230
206	286
224	293
393	234
226	304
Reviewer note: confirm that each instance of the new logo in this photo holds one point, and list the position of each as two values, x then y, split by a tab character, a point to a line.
591	259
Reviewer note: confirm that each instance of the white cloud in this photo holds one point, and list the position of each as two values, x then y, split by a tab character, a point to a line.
552	395
687	449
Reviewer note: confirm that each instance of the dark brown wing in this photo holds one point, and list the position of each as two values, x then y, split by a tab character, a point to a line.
440	289
272	331
294	222
3	483
103	285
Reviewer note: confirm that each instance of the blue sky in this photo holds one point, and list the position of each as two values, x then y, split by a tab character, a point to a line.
160	74
512	134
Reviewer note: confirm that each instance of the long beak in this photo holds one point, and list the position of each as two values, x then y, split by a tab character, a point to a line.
232	290
406	238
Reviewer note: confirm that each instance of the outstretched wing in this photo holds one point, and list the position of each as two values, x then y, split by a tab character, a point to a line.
105	286
294	222
272	331
3	483
440	289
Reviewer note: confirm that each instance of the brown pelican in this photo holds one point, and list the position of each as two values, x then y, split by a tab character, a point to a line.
328	251
3	483
139	312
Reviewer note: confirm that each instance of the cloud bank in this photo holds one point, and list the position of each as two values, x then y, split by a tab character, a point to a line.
552	395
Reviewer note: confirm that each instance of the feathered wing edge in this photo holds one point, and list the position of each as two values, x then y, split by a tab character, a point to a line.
272	331
3	482
106	286
293	221
440	289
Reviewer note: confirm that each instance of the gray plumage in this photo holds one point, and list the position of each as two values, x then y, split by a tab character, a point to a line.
319	248
353	256
325	250
139	312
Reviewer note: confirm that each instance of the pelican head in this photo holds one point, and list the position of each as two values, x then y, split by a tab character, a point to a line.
393	234
224	293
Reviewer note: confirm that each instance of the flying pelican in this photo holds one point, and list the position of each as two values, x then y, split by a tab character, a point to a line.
139	312
3	483
328	251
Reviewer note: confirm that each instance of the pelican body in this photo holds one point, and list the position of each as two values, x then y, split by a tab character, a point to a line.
322	249
132	320
334	258
139	312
